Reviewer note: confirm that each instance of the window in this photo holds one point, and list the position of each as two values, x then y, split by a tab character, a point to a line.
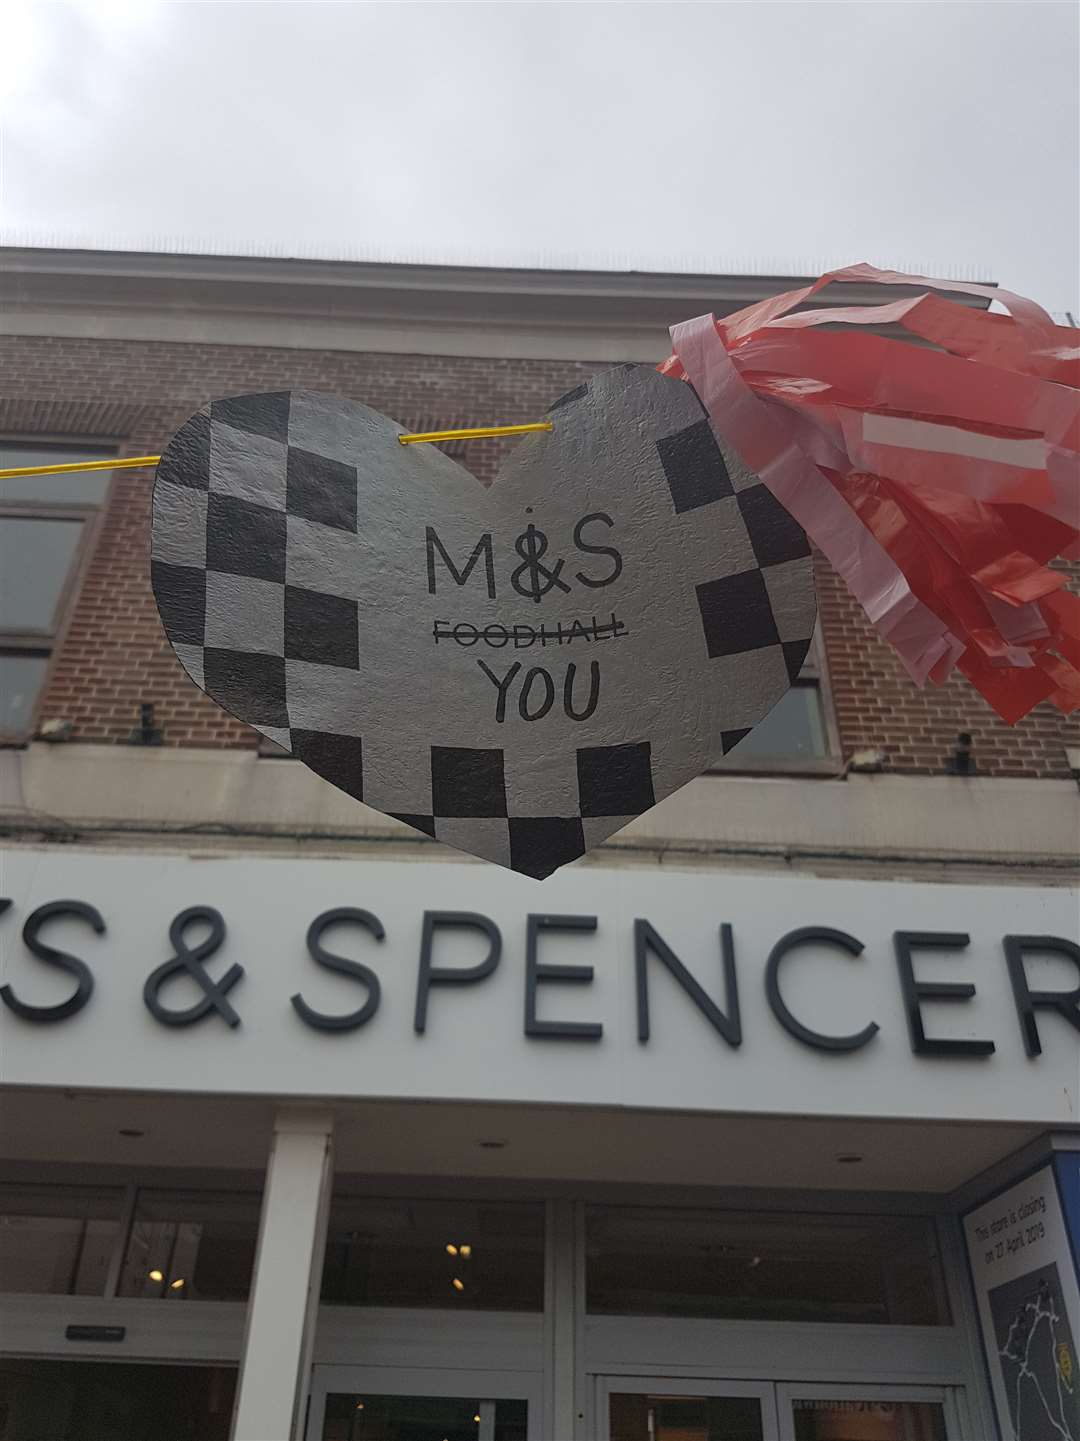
192	1246
827	1419
797	735
486	1256
181	1245
352	1417
759	1266
57	1241
106	1400
44	523
637	1416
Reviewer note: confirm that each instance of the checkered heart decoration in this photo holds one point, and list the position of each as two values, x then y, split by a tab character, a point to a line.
517	671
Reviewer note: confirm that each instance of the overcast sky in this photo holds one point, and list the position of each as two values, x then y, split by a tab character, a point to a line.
769	137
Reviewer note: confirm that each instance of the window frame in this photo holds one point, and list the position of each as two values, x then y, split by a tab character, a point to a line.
47	643
854	1218
348	1206
211	1333
218	1203
25	1197
814	673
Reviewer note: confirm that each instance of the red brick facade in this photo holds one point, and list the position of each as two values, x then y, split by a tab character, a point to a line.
113	654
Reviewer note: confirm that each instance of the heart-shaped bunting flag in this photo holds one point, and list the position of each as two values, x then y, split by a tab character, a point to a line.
517	671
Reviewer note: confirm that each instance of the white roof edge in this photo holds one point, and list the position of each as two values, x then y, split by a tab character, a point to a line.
460	258
363	305
398	274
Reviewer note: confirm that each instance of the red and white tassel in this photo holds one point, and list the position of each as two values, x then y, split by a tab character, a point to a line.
939	483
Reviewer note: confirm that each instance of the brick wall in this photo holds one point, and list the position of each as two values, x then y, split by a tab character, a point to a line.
113	654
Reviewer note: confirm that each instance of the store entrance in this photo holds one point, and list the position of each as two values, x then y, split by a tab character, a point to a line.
390	1403
657	1408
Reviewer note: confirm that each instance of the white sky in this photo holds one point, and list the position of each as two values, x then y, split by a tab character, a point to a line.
775	137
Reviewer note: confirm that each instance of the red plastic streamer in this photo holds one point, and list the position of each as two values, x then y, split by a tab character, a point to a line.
939	482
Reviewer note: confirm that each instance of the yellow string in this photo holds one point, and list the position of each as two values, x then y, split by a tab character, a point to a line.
134	462
128	463
476	434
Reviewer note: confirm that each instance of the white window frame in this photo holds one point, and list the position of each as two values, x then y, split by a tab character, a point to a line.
46	641
559	1354
815	673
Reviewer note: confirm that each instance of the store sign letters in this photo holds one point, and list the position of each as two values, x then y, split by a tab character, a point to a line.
199	952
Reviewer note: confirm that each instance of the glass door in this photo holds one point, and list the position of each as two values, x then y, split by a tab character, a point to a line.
365	1403
866	1413
668	1408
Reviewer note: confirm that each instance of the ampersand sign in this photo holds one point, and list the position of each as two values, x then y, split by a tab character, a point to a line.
516	671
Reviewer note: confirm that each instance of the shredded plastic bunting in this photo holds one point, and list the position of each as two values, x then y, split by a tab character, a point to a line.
938	482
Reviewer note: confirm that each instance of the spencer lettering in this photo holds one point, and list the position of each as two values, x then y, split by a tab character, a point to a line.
198	933
364	974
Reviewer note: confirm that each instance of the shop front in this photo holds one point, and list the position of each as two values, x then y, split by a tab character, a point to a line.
758	1120
368	1151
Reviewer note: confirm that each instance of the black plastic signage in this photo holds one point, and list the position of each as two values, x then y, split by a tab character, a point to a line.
198	934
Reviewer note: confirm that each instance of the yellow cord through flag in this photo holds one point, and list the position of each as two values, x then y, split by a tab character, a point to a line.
129	462
478	433
135	462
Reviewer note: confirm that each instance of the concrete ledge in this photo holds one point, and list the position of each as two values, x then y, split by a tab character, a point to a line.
1022	825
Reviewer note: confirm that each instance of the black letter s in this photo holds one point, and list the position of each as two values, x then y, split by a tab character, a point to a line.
597	550
356	969
79	969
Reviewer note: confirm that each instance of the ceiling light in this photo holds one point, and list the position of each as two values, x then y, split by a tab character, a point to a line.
451	1249
156	1275
466	1251
458	1284
476	1418
359	1405
178	1284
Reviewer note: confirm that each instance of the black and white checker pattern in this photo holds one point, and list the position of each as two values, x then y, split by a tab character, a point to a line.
280	603
470	785
234	616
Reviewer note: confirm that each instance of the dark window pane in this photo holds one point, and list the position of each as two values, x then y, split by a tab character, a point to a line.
868	1420
192	1245
86	487
635	1417
35	560
21	675
794	728
762	1266
107	1401
57	1242
421	1418
472	1255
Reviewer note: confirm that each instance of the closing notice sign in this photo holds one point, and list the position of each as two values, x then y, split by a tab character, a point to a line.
1029	1308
